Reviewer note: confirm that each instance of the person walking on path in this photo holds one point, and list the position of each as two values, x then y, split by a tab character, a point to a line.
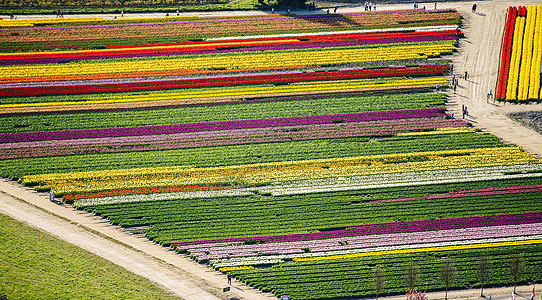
52	195
229	279
466	75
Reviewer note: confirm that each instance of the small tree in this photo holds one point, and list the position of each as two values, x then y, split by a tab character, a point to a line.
447	274
379	280
517	267
483	271
412	275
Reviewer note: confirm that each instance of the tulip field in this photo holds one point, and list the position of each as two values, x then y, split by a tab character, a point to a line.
294	152
521	55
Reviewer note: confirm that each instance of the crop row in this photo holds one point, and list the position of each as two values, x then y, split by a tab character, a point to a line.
262	91
88	37
480	175
228	81
352	277
506	53
316	164
233	255
222	137
367	229
268	108
222	125
255	216
526	54
259	44
230	62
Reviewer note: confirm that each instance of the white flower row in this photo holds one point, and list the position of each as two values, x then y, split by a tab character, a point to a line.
339	184
254	261
161	196
416	29
400	179
236	249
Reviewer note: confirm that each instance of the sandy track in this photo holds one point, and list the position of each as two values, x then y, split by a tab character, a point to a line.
478	54
176	272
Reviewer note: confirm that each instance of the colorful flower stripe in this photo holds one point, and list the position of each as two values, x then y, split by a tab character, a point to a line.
524	59
205	27
335	184
266	173
372	251
534	80
225	81
527	57
236	49
406	178
428	249
224	253
217	76
228	269
506	53
153	73
132	22
334	40
292	89
471	193
232	62
146	190
380	228
221	125
220	138
49	21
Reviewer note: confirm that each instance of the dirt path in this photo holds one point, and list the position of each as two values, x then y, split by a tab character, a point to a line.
162	265
478	54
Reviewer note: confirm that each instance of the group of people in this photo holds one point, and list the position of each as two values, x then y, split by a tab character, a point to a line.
416	6
312	6
370	6
60	13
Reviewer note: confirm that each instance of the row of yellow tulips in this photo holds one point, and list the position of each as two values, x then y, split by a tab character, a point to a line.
524	76
264	173
421	250
231	62
515	59
247	91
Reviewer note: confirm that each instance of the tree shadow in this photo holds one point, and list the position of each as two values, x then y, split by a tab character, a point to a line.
331	19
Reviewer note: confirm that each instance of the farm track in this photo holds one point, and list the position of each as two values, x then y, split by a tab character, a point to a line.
478	54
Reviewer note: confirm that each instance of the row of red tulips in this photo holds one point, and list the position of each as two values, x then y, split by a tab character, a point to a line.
177	48
506	52
225	81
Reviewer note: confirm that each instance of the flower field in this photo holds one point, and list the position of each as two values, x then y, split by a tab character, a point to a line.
521	55
294	152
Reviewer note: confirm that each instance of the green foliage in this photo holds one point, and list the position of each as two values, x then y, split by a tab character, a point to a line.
183	220
267	108
247	153
37	266
334	279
